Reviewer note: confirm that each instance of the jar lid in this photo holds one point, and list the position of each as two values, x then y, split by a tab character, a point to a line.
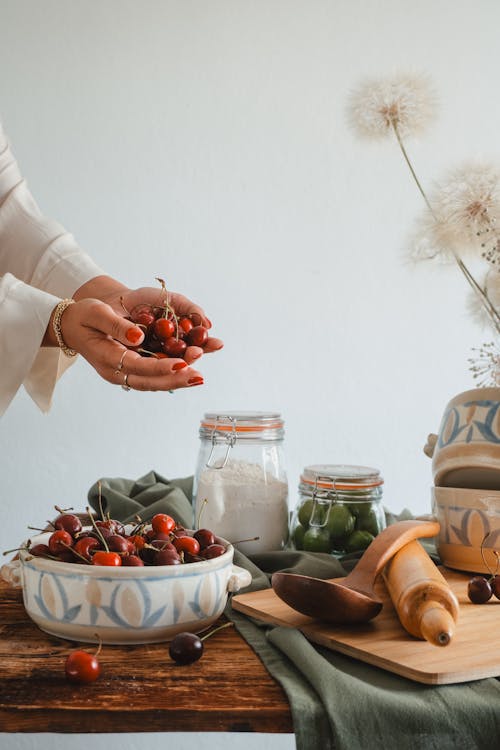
341	477
241	424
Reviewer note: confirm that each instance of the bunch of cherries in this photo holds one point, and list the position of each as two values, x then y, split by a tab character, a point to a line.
107	542
165	333
480	589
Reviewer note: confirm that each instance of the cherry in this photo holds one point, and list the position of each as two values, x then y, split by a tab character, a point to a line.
102	557
174	347
132	561
66	557
187	544
167	557
495	586
185	648
39	550
205	537
197	336
214	550
117	543
59	541
85	545
162	523
138	541
164	328
479	590
82	667
185	324
68	522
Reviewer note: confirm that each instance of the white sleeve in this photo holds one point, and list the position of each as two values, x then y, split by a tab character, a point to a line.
40	263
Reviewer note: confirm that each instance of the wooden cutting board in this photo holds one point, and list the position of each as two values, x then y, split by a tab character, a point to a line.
383	642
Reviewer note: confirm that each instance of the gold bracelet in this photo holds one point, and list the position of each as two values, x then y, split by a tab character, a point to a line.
56	325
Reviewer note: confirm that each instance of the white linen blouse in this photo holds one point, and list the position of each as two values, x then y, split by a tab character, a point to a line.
40	264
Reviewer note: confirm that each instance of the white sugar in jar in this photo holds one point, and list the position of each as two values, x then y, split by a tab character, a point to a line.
241	489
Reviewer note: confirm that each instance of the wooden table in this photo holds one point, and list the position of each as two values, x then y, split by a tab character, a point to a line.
140	689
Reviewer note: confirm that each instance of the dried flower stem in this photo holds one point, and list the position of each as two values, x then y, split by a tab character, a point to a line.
492	312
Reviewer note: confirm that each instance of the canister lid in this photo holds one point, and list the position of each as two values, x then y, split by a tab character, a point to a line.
341	476
242	424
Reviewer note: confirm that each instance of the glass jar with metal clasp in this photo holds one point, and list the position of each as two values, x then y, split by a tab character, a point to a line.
339	510
240	487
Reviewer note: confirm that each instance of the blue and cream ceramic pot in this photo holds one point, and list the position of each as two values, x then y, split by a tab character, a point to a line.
125	604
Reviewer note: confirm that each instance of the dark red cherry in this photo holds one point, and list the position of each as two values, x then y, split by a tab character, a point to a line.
197	336
205	537
132	561
39	550
214	550
68	522
174	347
186	648
479	590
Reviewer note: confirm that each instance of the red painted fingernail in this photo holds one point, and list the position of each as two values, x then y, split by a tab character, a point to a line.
134	335
179	365
196	381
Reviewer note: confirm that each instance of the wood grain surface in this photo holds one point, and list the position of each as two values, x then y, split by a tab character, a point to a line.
140	689
384	643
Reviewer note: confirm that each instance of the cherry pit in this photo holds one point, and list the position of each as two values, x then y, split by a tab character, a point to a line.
166	334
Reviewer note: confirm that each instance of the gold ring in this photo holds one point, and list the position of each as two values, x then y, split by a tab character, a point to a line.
119	367
125	384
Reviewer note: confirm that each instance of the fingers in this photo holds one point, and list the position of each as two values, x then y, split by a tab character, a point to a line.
183	306
101	317
150	374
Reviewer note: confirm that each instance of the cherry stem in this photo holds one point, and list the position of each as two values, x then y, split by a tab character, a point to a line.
123	306
16	549
36	528
99	489
168	307
221	627
100	644
62	510
74	552
97	530
484	559
240	541
205	501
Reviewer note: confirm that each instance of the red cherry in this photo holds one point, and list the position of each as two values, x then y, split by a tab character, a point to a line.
68	522
214	550
167	557
117	543
82	667
187	544
67	556
138	541
164	328
59	542
197	336
161	523
85	545
102	557
132	561
174	347
185	324
205	537
39	550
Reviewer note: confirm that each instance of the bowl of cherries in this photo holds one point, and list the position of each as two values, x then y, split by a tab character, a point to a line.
102	581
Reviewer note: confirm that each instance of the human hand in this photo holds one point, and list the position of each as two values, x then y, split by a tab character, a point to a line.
122	300
93	329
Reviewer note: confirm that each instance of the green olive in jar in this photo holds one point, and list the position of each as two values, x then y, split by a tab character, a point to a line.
306	511
359	540
317	539
298	536
368	520
340	522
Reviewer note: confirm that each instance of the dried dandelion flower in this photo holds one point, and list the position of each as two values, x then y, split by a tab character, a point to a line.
485	365
405	103
491	287
465	214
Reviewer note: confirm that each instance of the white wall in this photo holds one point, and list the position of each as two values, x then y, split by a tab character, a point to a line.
206	141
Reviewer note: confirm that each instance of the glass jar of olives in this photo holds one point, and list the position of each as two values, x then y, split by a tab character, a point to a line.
339	510
240	486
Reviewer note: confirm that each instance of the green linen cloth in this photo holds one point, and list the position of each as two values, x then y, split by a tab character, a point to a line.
337	703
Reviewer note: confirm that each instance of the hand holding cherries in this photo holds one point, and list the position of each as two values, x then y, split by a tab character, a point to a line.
167	333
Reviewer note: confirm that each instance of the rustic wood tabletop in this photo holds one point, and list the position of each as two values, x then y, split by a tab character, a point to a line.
140	688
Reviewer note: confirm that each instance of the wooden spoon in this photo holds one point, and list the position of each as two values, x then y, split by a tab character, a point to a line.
350	599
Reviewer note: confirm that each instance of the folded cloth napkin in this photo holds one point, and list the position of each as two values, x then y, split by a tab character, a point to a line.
337	703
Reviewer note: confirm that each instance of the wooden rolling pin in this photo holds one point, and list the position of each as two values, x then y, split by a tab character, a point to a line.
425	604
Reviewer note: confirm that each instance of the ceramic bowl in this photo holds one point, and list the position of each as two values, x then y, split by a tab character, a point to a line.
466	452
124	605
466	517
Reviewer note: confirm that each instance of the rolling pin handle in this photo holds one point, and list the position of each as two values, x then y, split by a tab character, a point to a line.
436	623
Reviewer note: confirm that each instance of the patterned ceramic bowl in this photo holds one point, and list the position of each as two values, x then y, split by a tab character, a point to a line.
125	604
468	519
466	452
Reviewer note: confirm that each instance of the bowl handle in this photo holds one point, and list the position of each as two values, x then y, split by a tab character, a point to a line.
430	445
12	573
238	579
